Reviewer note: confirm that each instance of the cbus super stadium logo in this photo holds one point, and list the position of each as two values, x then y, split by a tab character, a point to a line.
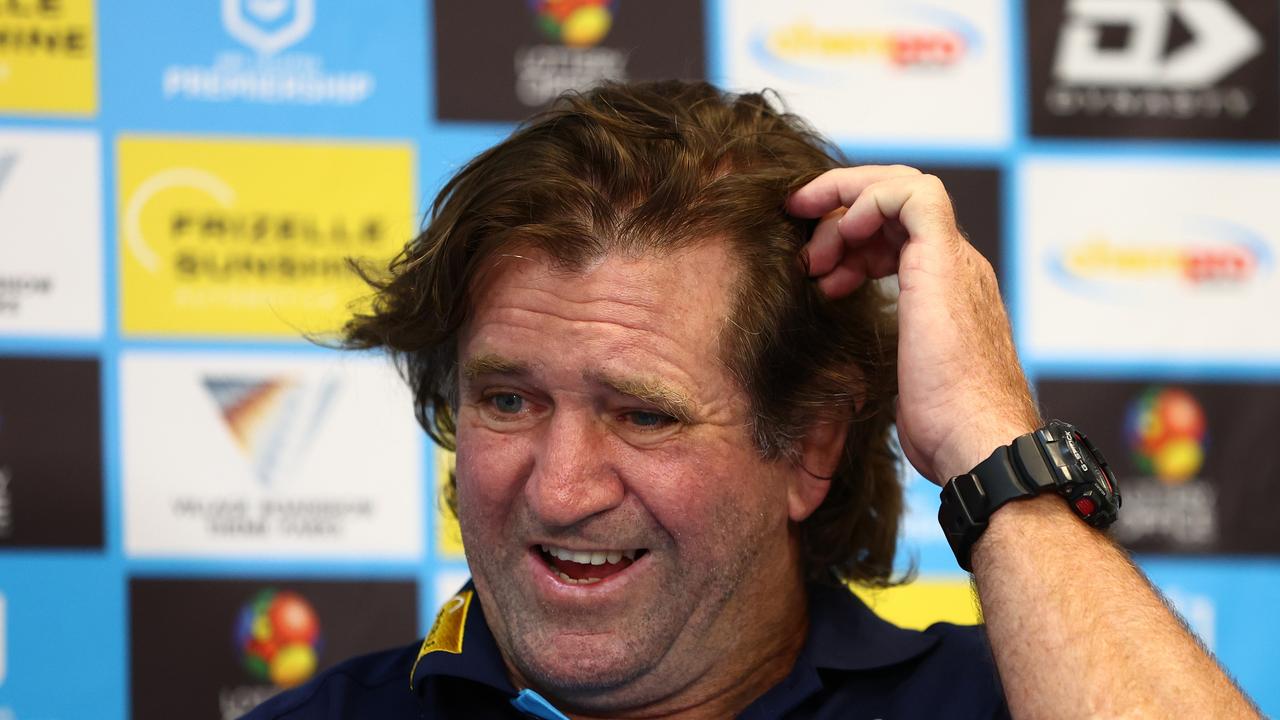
1198	255
898	38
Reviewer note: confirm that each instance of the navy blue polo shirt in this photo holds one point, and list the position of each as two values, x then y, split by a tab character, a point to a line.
853	665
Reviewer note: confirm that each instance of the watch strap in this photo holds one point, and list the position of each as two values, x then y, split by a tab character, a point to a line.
969	500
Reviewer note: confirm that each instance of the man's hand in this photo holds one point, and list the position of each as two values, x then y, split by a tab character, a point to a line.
961	389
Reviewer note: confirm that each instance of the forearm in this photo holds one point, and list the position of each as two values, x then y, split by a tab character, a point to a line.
1077	631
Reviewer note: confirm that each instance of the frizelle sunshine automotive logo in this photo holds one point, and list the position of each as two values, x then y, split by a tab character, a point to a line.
251	238
1198	254
278	636
1167	433
48	56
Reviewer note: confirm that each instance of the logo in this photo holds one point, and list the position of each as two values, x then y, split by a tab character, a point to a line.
535	50
273	420
906	38
576	23
242	237
1181	68
1167	434
1211	40
278	636
260	26
1199	254
48	56
268	75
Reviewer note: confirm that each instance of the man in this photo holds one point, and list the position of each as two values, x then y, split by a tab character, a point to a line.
645	323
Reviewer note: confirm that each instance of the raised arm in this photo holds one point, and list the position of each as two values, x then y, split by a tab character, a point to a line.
1076	629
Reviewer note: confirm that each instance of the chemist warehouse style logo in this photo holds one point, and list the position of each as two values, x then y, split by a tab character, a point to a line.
269	73
239	237
1169	69
1199	255
907	38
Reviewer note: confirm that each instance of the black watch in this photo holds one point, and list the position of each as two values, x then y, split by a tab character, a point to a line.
1057	458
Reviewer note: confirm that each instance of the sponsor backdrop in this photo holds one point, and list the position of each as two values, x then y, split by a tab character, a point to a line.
219	507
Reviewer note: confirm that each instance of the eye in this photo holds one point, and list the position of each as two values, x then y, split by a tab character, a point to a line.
507	403
647	420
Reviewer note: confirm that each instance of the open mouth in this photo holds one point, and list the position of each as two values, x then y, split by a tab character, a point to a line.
584	567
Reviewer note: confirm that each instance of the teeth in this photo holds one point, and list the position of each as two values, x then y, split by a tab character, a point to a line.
589	557
575	581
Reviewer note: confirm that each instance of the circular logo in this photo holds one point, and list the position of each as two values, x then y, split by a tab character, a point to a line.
576	23
1167	434
278	636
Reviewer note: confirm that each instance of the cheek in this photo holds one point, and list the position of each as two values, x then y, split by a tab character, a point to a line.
490	473
721	490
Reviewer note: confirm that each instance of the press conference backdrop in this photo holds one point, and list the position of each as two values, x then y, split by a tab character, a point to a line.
198	507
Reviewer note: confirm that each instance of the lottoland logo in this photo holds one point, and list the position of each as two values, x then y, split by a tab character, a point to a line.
1152	59
908	38
1198	255
573	59
267	74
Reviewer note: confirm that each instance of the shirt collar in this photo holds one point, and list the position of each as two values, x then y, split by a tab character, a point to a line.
460	645
844	634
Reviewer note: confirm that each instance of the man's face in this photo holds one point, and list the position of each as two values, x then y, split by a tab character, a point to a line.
622	530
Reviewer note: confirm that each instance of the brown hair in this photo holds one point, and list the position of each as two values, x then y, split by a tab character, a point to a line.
642	169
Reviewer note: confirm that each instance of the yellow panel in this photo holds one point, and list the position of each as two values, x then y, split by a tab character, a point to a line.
49	57
921	603
448	535
222	237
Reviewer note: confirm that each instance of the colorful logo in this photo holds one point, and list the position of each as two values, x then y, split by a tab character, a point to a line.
273	420
901	38
1200	253
576	23
278	636
1167	433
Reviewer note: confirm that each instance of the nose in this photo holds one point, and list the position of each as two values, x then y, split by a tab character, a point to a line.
573	477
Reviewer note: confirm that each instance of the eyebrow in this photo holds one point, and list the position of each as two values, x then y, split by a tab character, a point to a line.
665	398
489	364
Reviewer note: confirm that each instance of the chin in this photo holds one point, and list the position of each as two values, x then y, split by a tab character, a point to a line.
580	666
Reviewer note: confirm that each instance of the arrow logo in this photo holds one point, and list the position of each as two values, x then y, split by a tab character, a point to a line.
1220	41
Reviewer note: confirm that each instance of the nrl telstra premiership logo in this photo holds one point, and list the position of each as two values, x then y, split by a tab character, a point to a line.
259	24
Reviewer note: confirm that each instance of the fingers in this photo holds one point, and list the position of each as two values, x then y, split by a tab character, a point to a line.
886	207
840	187
919	204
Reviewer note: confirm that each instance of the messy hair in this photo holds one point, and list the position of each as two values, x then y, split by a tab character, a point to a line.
646	169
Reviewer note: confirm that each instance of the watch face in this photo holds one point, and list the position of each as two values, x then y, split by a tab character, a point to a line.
1092	490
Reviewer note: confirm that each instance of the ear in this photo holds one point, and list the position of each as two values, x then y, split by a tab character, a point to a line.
820	452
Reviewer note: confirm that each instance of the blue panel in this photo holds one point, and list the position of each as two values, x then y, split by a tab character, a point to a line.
64	638
320	67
